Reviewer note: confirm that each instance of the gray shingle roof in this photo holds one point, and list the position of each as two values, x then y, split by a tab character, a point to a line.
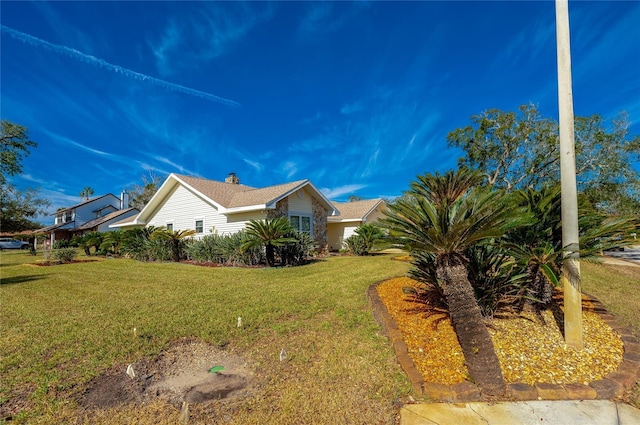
88	201
220	192
231	195
355	210
101	220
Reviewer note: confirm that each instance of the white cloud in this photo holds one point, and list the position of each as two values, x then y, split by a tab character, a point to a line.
172	164
92	60
170	40
322	18
352	108
67	141
255	164
206	35
313	20
290	168
341	190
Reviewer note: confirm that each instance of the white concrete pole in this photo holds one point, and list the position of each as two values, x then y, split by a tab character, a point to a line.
571	266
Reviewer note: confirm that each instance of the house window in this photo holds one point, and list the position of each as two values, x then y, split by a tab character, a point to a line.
199	226
68	216
301	223
170	227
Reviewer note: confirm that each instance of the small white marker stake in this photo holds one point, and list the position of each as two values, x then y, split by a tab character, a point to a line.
135	332
130	372
283	355
184	413
239	322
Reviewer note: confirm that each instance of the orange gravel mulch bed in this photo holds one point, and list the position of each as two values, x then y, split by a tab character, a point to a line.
530	349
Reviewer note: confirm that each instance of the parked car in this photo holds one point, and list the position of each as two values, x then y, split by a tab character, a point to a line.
8	243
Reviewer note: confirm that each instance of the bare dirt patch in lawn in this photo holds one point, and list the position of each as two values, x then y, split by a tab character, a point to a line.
190	370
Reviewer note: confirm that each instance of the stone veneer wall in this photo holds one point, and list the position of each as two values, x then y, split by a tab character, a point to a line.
320	226
282	209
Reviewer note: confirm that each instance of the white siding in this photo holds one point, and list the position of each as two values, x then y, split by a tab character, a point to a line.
237	222
300	204
376	215
182	207
338	232
350	230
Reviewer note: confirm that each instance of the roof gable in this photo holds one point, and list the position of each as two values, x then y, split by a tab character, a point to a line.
83	203
228	198
104	219
356	210
220	192
265	196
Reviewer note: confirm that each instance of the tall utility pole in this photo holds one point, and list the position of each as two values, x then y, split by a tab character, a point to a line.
571	264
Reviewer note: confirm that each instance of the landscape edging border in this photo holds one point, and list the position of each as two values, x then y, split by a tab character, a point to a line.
611	386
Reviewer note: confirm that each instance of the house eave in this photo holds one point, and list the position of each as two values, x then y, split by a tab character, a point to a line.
345	220
250	208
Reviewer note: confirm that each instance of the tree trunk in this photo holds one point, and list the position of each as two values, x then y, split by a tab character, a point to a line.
175	250
270	255
467	321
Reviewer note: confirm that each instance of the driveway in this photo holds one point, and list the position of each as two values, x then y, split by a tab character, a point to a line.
630	253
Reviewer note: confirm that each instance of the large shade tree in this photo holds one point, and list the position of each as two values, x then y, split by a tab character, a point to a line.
519	150
18	208
442	216
141	194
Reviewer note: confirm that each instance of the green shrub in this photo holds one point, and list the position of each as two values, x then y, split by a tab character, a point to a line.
356	245
135	243
63	243
223	250
497	280
158	250
65	255
298	252
366	237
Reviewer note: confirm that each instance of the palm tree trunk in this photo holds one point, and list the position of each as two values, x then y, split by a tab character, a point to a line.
175	250
466	317
270	255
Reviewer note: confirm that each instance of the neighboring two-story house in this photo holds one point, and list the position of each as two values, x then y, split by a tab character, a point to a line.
95	214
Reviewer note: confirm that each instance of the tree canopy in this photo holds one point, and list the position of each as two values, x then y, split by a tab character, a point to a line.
141	194
14	146
86	193
17	207
520	150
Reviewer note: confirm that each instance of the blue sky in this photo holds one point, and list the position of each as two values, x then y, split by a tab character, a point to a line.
358	97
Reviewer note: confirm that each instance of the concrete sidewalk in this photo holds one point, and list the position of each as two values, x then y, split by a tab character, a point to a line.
575	412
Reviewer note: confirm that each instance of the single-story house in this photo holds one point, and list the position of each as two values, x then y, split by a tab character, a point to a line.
95	214
208	206
351	215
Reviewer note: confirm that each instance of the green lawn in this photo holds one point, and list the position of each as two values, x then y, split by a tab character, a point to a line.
63	325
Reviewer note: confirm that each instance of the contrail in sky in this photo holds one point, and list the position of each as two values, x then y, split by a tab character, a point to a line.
35	41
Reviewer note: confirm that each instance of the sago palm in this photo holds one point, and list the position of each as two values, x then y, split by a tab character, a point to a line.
112	241
538	247
446	216
370	234
174	237
269	233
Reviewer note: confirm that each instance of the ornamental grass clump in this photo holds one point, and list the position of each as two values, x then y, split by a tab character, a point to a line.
65	255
